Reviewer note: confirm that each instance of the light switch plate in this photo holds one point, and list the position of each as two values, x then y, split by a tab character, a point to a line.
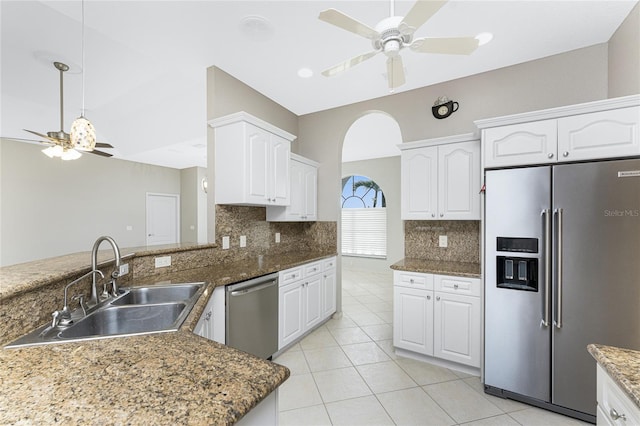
163	261
225	243
243	240
277	237
442	241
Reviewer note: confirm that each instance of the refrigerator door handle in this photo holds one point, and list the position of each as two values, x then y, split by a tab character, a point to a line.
546	214
558	321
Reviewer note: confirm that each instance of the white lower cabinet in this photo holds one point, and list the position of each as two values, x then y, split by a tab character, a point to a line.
614	406
306	297
438	316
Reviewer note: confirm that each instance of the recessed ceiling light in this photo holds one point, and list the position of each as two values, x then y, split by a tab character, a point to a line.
305	73
256	28
484	38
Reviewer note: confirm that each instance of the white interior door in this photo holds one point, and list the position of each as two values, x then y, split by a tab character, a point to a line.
163	219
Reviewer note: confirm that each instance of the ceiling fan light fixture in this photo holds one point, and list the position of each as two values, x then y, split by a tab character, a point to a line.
70	154
53	151
83	134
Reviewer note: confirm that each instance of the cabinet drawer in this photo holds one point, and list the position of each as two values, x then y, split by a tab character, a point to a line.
329	264
312	269
457	285
614	403
289	275
413	280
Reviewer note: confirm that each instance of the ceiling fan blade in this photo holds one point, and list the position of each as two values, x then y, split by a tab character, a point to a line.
103	145
450	45
339	19
420	13
349	63
395	72
41	135
100	153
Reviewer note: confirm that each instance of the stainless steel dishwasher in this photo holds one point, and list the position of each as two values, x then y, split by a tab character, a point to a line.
252	316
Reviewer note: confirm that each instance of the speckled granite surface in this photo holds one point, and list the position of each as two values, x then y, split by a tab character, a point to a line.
459	269
165	378
168	378
623	365
421	240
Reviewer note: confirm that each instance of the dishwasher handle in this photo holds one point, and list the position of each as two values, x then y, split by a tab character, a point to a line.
251	289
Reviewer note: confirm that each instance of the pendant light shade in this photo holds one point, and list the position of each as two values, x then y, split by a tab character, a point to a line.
83	134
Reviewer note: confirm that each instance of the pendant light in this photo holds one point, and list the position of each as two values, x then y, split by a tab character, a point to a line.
83	134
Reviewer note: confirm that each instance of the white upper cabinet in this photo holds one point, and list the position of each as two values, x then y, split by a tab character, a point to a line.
251	161
303	175
440	179
602	129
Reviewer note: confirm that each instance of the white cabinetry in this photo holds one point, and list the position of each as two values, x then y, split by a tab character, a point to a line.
614	406
440	179
304	299
211	324
603	129
457	324
251	161
438	316
304	193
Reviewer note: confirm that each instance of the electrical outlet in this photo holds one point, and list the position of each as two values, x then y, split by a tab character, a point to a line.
129	228
225	243
243	240
442	241
277	237
124	270
163	261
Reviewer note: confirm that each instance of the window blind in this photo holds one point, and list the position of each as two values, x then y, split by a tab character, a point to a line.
364	232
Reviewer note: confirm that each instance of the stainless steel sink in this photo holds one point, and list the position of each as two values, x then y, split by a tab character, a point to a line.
139	310
157	294
129	319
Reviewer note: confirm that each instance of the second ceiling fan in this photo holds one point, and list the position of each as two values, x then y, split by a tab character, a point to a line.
395	33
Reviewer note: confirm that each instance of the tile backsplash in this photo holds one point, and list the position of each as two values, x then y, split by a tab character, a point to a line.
421	239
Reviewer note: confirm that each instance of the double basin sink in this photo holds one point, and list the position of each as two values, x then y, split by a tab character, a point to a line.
139	310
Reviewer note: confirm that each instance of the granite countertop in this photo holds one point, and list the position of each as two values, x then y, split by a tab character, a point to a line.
167	378
459	269
174	377
623	365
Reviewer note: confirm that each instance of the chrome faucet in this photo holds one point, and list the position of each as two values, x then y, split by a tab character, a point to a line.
94	265
63	317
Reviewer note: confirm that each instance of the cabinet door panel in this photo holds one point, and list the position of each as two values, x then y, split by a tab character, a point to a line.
313	301
519	144
419	183
328	293
457	328
290	321
310	193
258	152
605	134
413	320
459	181
281	153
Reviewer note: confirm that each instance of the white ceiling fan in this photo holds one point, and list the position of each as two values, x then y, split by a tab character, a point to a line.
395	33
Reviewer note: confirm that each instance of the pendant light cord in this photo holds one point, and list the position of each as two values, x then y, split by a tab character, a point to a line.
82	113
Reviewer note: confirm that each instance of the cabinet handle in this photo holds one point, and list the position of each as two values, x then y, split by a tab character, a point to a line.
438	298
615	416
208	316
428	297
433	215
550	155
565	154
455	286
441	214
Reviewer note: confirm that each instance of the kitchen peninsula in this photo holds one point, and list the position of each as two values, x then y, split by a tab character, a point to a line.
173	378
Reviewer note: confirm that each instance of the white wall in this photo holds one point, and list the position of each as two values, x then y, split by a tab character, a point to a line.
51	207
193	206
624	57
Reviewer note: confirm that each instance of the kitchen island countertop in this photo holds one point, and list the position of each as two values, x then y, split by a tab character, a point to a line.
164	378
460	269
623	365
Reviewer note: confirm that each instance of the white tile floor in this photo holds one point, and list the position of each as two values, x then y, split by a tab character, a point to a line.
346	373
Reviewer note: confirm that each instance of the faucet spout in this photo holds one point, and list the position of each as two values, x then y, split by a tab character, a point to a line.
94	265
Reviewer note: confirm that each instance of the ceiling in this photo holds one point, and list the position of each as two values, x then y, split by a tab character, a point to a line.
146	61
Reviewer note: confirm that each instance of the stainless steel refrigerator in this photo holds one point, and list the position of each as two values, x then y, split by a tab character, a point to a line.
562	270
